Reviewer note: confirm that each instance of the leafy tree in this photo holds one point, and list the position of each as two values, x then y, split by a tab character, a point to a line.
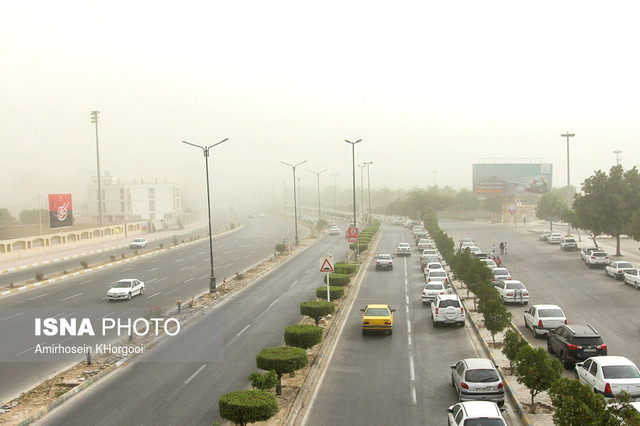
6	218
316	309
550	207
282	359
34	216
608	203
512	343
535	370
303	336
247	406
466	201
263	381
495	314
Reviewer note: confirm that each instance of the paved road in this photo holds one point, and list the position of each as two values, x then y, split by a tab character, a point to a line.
402	379
177	274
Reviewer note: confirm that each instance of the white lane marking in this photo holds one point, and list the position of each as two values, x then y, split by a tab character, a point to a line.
195	374
202	252
106	316
227	252
154	295
85	282
228	264
183	268
409	339
14	315
154	269
190	279
414	399
38	297
237	258
274	302
169	292
294	283
32	347
307	271
127	269
412	369
407	298
206	259
408	326
161	279
204	276
179	260
244	329
71	297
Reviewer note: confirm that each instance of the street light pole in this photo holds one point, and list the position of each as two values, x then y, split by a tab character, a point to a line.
369	187
353	163
568	135
318	176
94	119
335	194
295	205
205	151
361	167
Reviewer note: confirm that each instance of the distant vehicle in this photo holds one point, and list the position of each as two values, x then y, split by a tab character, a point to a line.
448	309
425	259
543	318
618	269
512	291
597	258
384	261
632	277
490	263
376	317
334	230
125	289
609	375
586	251
138	243
466	244
473	250
398	222
568	243
544	235
475	413
477	379
554	238
425	243
403	249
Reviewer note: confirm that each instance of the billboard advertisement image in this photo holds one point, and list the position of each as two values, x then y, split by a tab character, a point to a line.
512	178
60	211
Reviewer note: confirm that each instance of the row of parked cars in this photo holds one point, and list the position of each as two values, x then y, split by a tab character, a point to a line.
580	345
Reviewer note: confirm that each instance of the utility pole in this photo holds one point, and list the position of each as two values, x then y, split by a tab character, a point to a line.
335	194
353	164
94	119
295	206
617	153
568	135
318	175
368	163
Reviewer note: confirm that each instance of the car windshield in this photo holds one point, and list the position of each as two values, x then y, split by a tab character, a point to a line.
442	274
437	286
403	245
498	271
431	258
624	265
434	266
447	303
377	312
587	341
138	240
122	284
569	240
514	286
544	313
384	256
620	372
599	254
483	375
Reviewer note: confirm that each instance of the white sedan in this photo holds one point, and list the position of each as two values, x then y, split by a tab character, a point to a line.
125	289
617	269
632	277
609	375
403	248
512	291
542	318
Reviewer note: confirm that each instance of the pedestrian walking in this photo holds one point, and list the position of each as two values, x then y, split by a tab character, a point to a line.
524	219
501	247
506	250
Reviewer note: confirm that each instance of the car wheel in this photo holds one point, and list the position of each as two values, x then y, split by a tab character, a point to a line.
129	295
391	269
502	299
461	323
435	323
549	348
535	333
390	331
110	300
564	360
500	403
590	265
575	374
363	331
142	290
525	303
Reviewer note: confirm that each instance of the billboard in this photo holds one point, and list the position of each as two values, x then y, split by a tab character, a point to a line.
60	211
512	178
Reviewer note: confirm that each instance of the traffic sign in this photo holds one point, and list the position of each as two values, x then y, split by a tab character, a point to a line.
326	266
352	234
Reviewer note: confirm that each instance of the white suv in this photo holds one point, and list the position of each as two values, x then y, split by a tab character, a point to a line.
597	258
448	309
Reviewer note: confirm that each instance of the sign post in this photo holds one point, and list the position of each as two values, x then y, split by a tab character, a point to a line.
327	268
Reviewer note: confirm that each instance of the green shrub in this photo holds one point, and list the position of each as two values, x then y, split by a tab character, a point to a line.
334	291
281	359
303	336
263	381
84	264
247	406
316	309
361	246
345	268
338	279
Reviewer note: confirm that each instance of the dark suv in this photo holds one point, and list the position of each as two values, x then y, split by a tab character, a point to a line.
574	343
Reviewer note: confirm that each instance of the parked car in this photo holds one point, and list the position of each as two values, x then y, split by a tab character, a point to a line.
569	243
432	289
384	261
609	375
476	379
543	318
138	243
475	413
377	317
473	250
420	235
466	242
403	249
554	238
617	269
586	252
544	235
490	263
574	343
512	291
632	277
432	266
426	259
437	275
597	258
125	289
425	243
447	309
500	274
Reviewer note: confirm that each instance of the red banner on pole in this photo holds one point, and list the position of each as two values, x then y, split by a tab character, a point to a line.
352	234
60	211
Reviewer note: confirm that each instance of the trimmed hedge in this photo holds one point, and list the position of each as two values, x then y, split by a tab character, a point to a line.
282	359
334	291
338	279
361	246
247	406
316	309
303	336
345	268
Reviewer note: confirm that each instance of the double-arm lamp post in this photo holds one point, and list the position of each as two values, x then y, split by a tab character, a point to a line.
295	205
205	150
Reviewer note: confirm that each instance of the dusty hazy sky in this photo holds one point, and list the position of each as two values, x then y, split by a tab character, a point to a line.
428	86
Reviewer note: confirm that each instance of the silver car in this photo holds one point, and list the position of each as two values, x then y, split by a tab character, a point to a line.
433	289
477	379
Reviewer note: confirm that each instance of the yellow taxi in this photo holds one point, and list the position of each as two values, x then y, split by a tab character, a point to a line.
377	317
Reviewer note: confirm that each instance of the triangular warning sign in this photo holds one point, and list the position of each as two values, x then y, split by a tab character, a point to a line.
326	266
